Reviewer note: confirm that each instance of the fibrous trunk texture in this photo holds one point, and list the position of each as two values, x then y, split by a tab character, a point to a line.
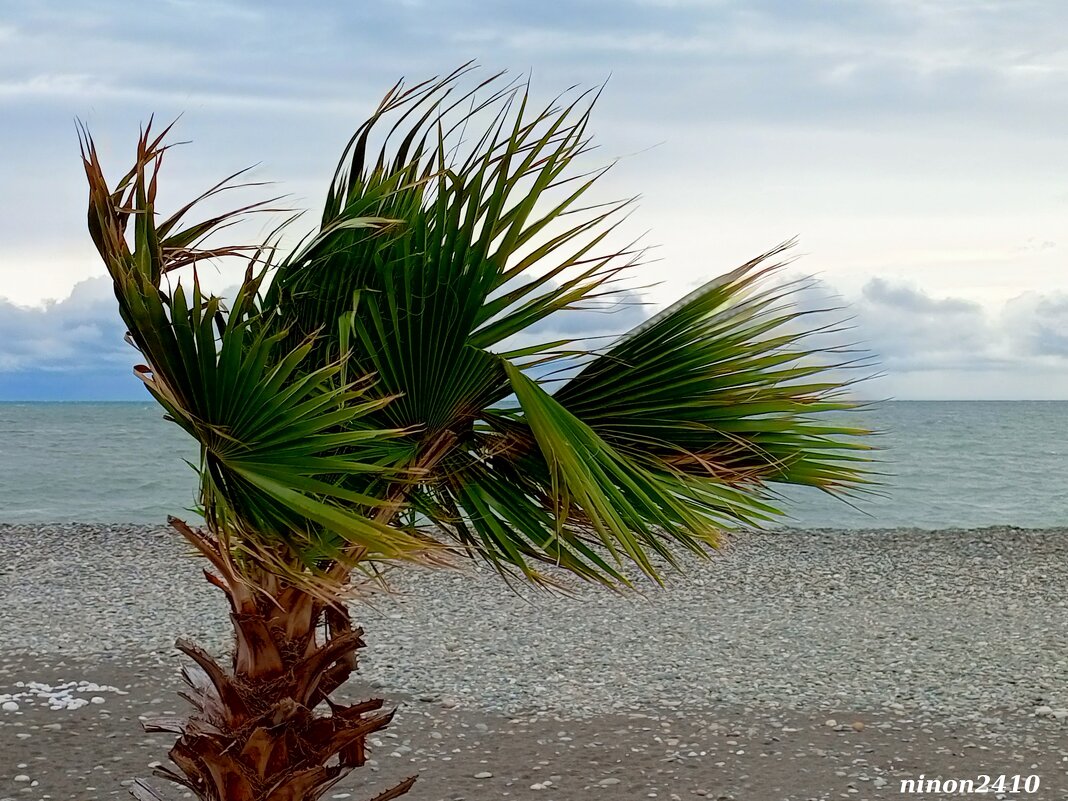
266	728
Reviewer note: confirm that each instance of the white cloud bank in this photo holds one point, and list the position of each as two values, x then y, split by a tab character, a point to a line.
927	347
946	347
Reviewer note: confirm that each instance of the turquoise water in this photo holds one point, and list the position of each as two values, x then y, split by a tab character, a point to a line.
950	463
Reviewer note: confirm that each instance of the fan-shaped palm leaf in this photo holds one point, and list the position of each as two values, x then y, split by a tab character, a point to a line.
384	375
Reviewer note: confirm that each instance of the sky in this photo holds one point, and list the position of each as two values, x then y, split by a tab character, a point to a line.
915	147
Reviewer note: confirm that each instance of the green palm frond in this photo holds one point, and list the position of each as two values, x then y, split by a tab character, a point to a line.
453	276
377	375
280	436
728	385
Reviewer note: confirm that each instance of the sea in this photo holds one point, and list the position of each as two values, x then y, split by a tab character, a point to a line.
942	464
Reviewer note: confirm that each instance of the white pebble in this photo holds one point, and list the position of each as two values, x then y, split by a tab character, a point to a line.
10	706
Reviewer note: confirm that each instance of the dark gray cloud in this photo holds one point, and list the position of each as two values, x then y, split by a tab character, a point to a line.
72	349
912	331
66	334
612	314
926	346
949	347
1039	324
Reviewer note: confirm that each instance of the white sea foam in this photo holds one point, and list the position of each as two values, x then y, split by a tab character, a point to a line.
66	696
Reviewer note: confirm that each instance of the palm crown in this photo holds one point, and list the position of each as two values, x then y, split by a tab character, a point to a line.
380	395
375	395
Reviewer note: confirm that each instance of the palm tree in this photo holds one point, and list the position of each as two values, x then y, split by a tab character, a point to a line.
379	396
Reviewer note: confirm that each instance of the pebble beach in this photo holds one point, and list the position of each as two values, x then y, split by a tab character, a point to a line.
813	664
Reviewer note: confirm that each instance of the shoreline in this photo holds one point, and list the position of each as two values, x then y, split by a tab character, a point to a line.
956	621
946	648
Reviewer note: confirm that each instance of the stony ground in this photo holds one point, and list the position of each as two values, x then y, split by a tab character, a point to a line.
801	665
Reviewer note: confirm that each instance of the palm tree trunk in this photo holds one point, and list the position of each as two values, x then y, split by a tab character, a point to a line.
266	729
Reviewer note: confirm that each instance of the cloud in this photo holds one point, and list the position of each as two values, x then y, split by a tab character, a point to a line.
74	349
737	89
954	348
913	331
66	334
927	346
1038	325
910	330
67	349
597	317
